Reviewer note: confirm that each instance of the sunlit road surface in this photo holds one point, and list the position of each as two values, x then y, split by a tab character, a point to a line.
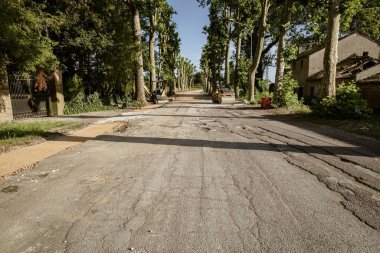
193	176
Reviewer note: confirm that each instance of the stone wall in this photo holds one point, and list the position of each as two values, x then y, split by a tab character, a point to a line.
57	101
6	113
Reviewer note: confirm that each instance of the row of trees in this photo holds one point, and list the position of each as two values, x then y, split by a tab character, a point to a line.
256	27
113	47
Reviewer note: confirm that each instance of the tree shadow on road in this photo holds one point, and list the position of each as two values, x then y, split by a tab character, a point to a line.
259	146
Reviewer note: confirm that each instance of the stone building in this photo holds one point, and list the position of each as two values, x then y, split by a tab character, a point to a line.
358	60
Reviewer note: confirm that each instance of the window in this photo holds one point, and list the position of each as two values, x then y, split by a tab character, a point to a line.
365	53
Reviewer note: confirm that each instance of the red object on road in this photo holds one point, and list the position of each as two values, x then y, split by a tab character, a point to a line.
266	103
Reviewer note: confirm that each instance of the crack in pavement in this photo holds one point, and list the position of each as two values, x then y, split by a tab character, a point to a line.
370	220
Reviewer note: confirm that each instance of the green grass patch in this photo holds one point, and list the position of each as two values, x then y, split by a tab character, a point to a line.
15	133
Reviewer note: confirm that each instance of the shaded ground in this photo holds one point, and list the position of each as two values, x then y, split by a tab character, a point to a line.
369	127
198	177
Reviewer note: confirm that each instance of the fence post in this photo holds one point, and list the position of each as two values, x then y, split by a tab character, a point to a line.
6	113
57	101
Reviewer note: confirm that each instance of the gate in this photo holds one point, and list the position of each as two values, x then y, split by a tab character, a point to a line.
27	100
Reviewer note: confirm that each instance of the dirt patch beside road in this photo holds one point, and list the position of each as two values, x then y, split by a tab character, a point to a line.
27	157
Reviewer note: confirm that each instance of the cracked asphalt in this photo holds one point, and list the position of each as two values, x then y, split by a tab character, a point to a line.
196	177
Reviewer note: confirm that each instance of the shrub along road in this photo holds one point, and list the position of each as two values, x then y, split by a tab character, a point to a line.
198	177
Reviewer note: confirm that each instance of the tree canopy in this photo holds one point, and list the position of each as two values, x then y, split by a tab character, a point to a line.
94	43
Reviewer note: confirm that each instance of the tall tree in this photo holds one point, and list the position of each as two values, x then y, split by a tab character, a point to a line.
227	15
139	68
238	50
280	66
259	48
331	50
152	11
152	53
169	48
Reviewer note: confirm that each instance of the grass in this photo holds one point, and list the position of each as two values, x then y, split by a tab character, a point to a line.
17	133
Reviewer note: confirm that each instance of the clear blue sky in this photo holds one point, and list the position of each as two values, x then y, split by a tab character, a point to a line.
190	20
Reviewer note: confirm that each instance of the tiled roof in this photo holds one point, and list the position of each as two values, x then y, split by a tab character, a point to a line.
321	47
349	67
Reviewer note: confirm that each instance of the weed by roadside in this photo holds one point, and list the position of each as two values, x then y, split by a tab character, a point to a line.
20	133
82	104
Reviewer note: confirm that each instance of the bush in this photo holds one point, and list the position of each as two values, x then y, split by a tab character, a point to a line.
130	103
263	94
347	104
73	86
262	91
81	103
287	97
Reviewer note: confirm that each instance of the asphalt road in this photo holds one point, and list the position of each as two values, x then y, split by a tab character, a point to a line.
198	177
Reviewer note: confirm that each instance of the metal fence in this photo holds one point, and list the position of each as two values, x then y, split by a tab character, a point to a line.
27	101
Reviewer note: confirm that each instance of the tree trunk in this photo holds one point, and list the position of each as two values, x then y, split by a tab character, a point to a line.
153	78
205	80
331	51
258	51
227	64
152	56
238	53
280	66
237	62
227	53
139	68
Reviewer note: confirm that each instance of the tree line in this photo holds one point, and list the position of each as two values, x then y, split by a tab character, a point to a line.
257	27
112	47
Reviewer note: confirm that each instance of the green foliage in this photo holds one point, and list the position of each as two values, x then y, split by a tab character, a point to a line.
262	94
23	40
348	104
291	52
287	96
262	91
366	19
21	132
130	103
82	103
243	69
72	87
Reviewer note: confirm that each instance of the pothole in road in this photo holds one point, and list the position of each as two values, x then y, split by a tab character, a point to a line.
43	175
10	189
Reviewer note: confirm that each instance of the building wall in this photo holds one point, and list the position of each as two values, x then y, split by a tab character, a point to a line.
300	70
315	88
353	44
371	93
